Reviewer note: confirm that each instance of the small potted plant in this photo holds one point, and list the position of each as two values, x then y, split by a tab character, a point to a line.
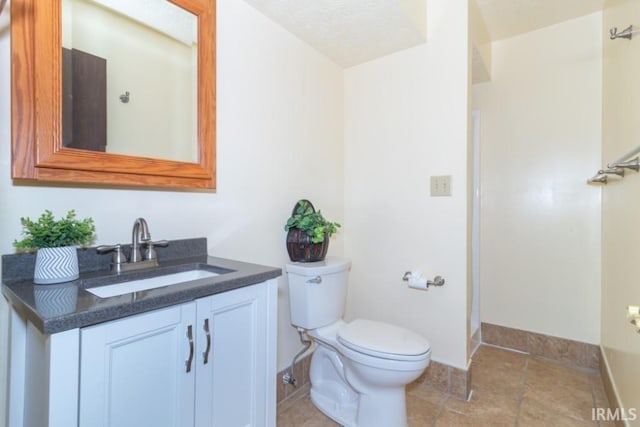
308	233
56	242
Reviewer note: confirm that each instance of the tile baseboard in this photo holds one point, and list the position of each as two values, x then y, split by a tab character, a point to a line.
562	350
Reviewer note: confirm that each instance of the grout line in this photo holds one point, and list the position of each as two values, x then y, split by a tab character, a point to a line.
521	393
441	409
294	397
513	350
564	363
594	399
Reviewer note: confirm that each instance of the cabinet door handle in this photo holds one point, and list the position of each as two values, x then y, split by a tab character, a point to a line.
190	337
205	354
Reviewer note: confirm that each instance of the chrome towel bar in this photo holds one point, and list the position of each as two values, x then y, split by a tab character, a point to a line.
618	167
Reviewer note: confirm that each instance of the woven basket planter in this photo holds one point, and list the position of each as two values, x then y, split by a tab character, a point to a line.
302	249
299	244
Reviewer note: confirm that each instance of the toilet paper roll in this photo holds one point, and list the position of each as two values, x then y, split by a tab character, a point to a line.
418	282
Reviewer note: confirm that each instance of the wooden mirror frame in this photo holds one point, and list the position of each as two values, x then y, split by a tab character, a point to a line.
36	97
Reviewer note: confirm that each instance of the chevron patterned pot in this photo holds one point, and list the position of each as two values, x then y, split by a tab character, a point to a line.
56	265
56	300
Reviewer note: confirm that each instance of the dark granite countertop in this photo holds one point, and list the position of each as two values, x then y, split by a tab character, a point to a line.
57	308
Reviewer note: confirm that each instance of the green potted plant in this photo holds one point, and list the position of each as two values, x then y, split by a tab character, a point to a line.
56	243
308	233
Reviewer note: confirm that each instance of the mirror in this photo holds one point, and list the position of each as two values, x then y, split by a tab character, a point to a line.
131	106
129	79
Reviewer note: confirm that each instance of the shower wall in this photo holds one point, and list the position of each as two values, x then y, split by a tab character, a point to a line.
540	221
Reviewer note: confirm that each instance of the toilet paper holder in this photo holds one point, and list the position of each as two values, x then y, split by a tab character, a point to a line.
437	281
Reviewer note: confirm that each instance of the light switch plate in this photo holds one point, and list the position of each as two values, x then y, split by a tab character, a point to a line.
441	186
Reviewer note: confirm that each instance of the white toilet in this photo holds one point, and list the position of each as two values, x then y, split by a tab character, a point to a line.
359	369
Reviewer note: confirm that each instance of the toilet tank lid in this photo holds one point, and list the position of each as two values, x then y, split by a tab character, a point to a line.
383	338
328	266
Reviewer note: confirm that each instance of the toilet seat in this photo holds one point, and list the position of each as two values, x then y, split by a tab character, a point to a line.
382	340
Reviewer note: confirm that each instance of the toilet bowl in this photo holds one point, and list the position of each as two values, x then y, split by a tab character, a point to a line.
359	370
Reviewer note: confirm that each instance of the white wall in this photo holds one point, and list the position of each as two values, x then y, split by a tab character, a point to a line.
620	205
540	222
279	129
406	118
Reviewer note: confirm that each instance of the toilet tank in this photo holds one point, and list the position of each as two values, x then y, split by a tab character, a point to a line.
317	291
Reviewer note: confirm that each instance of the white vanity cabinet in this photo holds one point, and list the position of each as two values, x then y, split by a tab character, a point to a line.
235	386
208	362
133	371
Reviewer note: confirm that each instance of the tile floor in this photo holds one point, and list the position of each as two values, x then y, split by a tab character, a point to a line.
509	389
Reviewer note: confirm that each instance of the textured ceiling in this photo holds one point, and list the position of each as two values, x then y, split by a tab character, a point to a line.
354	31
350	31
507	18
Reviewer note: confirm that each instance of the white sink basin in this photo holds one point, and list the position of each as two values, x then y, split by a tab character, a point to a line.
150	283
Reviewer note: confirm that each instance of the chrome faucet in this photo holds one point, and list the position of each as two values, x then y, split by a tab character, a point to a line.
139	234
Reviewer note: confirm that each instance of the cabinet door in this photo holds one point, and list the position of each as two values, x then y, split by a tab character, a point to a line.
133	371
233	387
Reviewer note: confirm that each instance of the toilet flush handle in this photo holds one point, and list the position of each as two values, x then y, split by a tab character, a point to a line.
317	280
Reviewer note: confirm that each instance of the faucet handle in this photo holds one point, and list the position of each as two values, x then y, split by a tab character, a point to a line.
150	253
118	257
108	248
